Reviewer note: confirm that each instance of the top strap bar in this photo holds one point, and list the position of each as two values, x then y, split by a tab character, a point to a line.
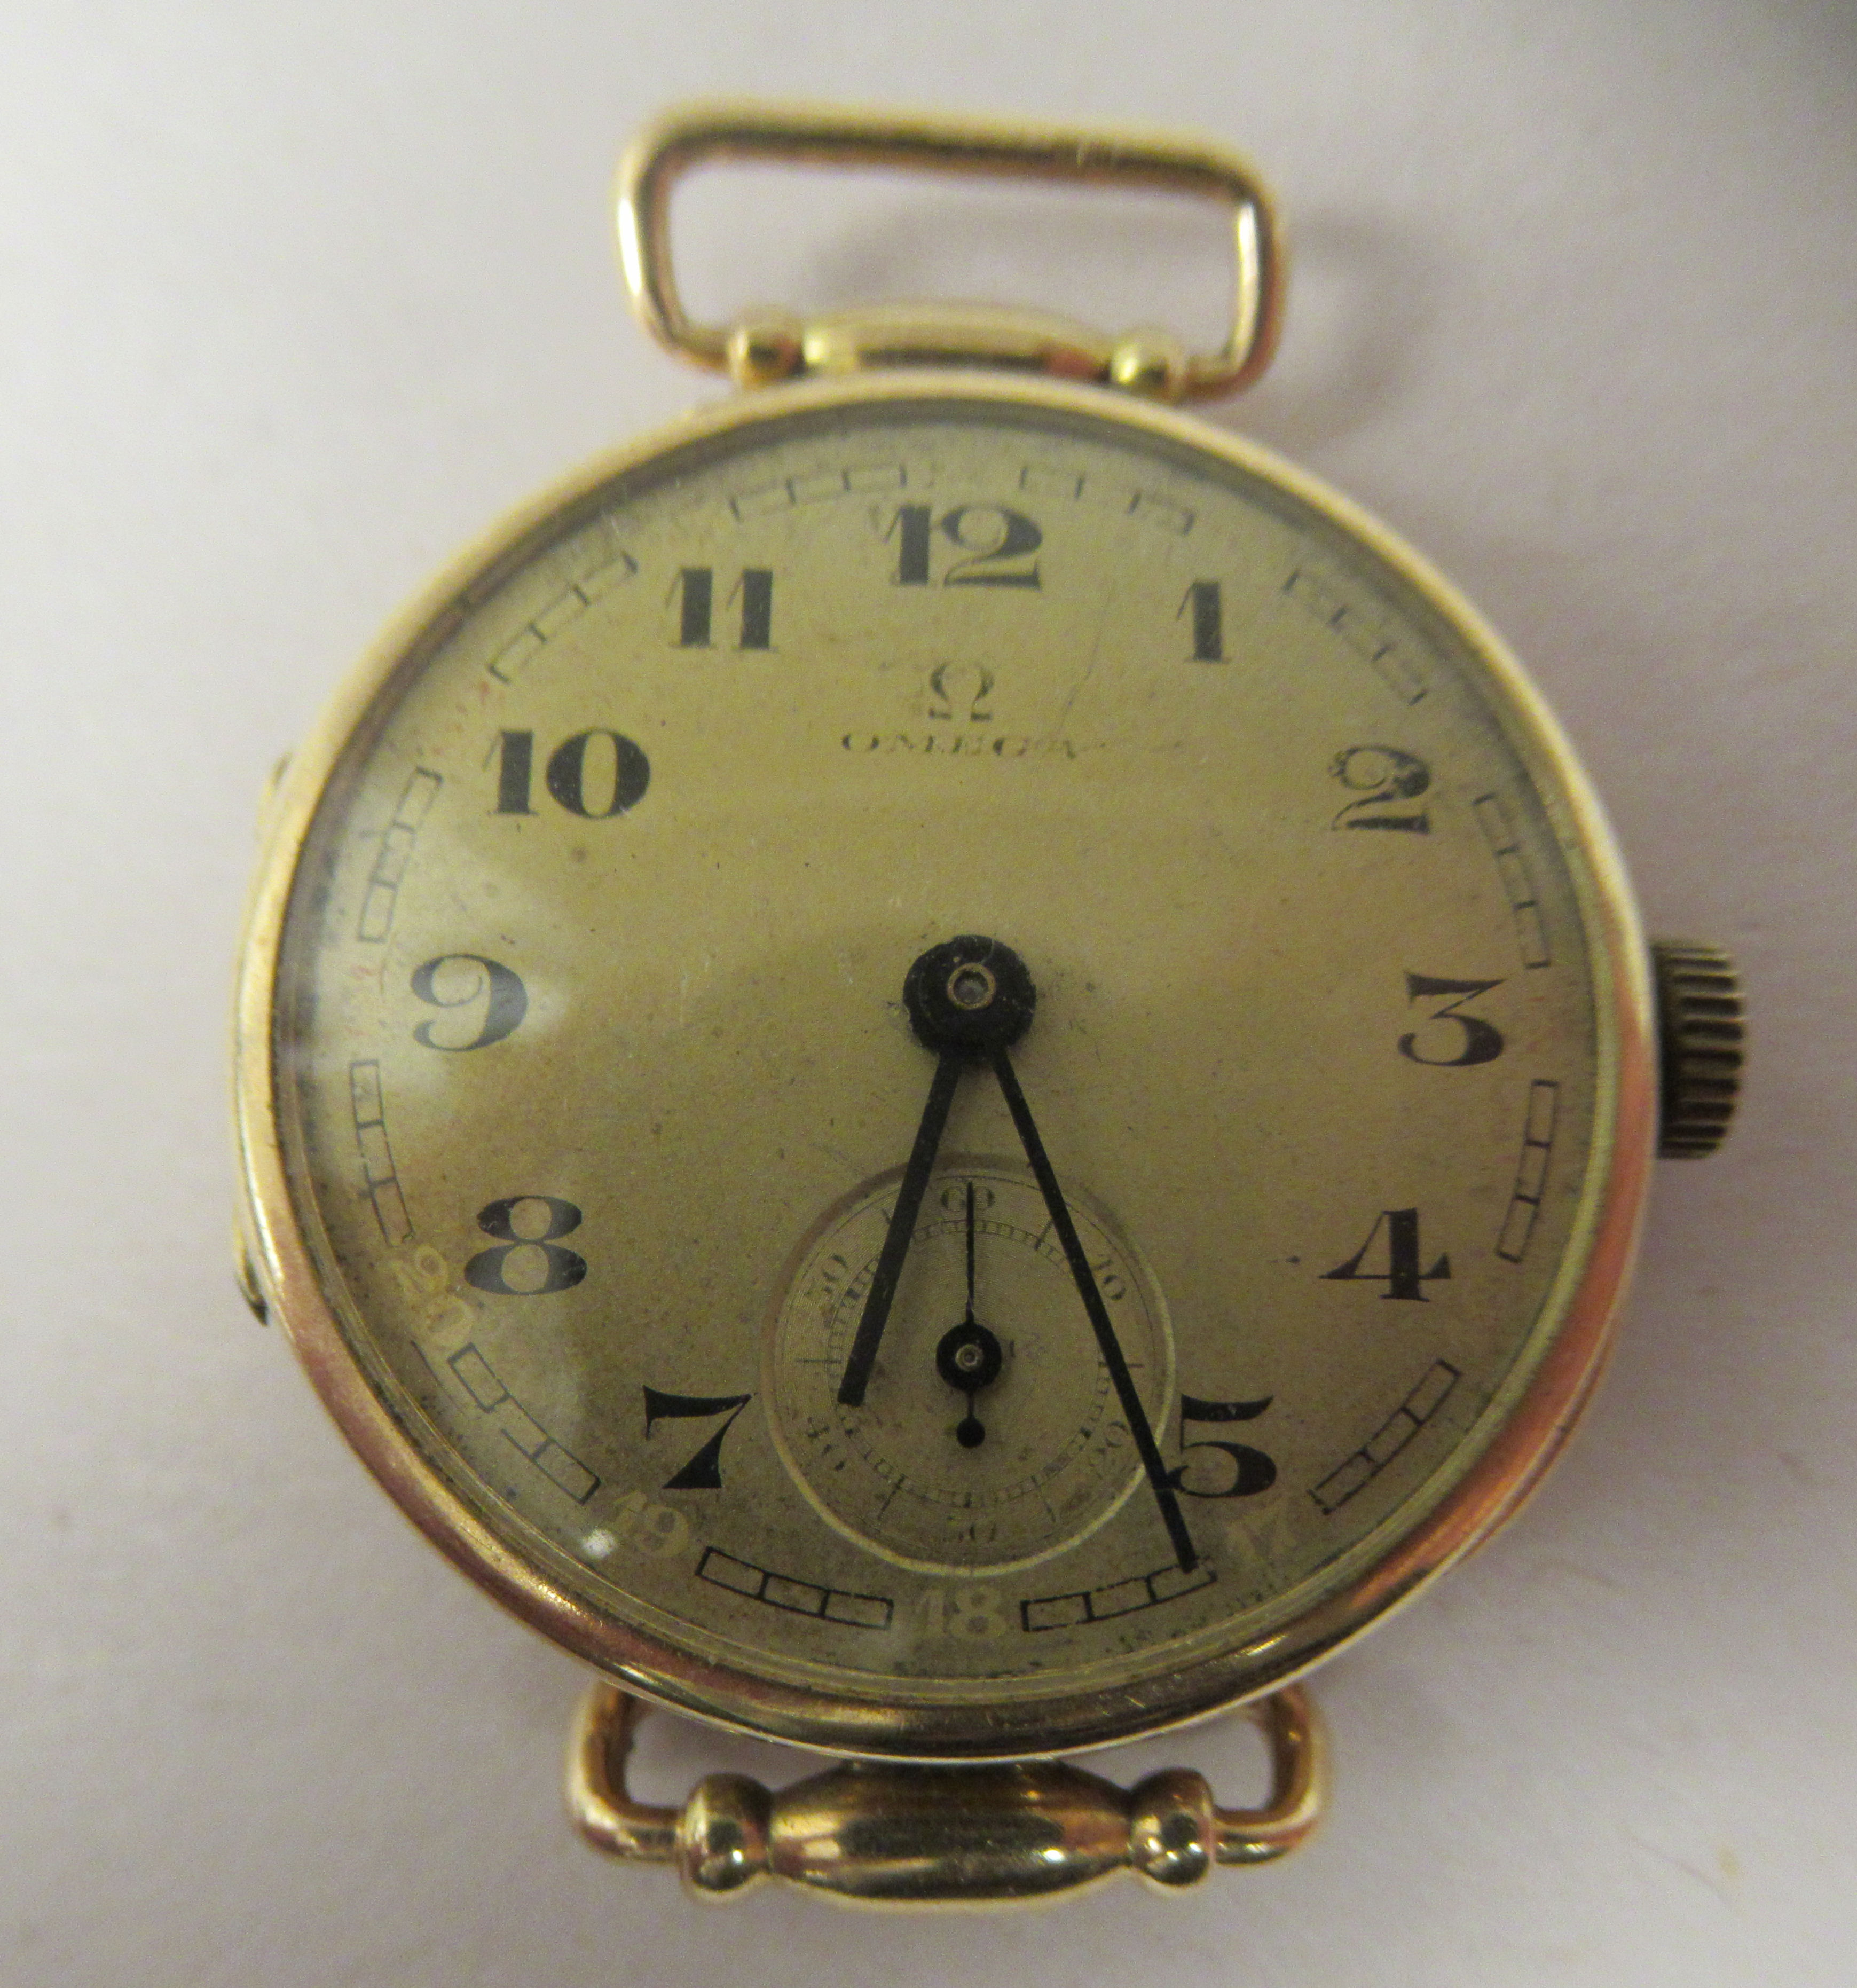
770	346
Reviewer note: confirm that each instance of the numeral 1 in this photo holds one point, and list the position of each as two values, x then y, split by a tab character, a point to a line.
914	522
696	589
514	768
1205	601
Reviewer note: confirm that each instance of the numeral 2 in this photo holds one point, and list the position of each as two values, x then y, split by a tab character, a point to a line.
1384	777
704	1471
1400	1273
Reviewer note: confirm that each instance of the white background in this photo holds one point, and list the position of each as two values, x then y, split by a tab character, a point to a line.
292	300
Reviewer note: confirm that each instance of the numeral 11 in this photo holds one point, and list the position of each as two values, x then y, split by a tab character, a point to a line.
695	589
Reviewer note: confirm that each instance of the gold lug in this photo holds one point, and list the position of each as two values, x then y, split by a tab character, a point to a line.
884	1833
765	346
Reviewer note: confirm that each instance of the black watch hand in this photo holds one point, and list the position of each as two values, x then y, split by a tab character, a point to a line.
970	1228
1133	1413
968	1357
965	998
902	1226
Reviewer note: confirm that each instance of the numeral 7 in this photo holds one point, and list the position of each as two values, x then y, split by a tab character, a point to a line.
704	1471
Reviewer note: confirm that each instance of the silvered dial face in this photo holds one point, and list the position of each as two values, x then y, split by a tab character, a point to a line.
604	1113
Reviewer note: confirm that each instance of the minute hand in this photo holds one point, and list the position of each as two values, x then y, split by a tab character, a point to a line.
1136	1415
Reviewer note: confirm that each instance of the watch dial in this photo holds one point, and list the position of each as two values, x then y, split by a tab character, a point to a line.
812	1346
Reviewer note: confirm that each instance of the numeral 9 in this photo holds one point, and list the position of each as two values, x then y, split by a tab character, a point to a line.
465	980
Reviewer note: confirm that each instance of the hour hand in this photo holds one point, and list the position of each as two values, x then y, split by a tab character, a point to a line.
967	998
902	1226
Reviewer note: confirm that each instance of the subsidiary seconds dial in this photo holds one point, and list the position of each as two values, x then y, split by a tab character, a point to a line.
990	1435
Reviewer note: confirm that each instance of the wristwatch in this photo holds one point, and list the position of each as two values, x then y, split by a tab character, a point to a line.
947	1067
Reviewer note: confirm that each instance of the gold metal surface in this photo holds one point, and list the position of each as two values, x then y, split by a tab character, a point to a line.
766	347
1063	1713
887	1834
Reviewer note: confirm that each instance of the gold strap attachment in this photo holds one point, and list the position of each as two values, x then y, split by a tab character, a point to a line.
887	1833
771	346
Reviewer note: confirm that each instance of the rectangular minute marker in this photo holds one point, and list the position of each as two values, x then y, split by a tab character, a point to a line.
521	649
369	1114
1518	885
797	1598
1397	670
1388	1439
396	851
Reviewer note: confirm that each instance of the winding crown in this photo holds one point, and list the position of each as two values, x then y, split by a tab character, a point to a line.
1702	1036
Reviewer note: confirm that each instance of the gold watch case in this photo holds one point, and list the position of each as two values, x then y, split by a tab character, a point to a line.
1324	635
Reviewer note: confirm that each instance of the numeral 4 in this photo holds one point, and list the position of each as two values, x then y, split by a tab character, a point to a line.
1396	1258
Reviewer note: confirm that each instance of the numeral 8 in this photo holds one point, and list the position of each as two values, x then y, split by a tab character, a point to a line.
489	1270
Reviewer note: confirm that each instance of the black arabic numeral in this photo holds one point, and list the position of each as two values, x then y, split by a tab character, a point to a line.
991	550
1205	601
704	1471
1000	546
911	527
1252	1471
1481	1041
514	764
559	1269
1385	777
694	589
618	766
1401	1273
463	980
630	775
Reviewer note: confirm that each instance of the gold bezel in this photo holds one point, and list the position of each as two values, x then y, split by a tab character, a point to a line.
1587	1287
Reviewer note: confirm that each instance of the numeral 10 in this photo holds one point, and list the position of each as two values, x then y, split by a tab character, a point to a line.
595	775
